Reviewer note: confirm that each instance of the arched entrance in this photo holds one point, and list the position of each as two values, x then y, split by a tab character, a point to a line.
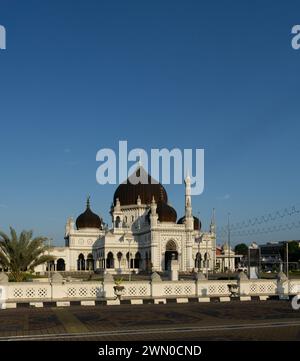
110	260
90	262
170	253
81	263
60	265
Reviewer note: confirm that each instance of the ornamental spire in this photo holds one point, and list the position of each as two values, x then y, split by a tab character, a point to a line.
88	205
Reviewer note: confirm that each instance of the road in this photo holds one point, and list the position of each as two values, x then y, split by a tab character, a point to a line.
237	321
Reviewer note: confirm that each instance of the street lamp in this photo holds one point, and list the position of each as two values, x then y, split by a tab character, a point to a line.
49	263
198	240
206	261
129	259
287	260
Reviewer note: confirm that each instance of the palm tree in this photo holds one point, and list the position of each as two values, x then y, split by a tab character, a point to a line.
22	253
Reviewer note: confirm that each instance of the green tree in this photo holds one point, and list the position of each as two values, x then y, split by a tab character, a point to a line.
22	253
241	248
294	251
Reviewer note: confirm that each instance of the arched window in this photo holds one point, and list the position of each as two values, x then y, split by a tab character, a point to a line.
81	263
118	221
137	260
51	265
206	260
198	260
171	246
132	219
119	257
90	262
60	266
131	260
110	260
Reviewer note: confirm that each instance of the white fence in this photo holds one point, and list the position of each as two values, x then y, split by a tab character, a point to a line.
263	287
45	291
68	291
214	288
137	289
294	287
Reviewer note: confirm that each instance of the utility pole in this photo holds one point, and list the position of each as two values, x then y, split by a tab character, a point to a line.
206	259
199	240
213	245
49	263
249	262
228	225
287	259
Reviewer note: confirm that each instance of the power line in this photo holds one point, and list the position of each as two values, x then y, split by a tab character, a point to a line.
270	217
271	229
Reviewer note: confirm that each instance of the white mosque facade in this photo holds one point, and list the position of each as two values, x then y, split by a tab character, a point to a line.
145	235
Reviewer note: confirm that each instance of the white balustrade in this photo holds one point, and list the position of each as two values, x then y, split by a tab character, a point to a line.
45	291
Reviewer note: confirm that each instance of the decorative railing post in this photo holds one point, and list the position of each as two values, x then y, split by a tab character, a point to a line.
3	290
108	286
201	285
243	286
57	289
156	285
282	285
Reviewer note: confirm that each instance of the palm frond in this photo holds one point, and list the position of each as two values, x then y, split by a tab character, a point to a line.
20	253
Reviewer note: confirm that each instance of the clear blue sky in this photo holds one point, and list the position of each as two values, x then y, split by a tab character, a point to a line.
78	76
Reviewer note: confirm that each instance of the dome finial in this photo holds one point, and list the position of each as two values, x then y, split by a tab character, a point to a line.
88	205
187	178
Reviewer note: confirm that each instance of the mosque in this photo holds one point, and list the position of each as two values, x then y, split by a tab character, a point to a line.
145	234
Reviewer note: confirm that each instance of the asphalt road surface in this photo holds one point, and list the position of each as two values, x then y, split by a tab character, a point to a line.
238	321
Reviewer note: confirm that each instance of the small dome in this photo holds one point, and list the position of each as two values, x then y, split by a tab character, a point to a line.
165	212
197	222
88	219
128	192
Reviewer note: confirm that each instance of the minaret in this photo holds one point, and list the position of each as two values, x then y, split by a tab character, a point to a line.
155	249
153	214
189	220
212	227
117	215
68	227
212	230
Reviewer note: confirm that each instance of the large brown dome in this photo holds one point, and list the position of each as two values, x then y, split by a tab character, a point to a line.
88	219
166	213
197	222
128	192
